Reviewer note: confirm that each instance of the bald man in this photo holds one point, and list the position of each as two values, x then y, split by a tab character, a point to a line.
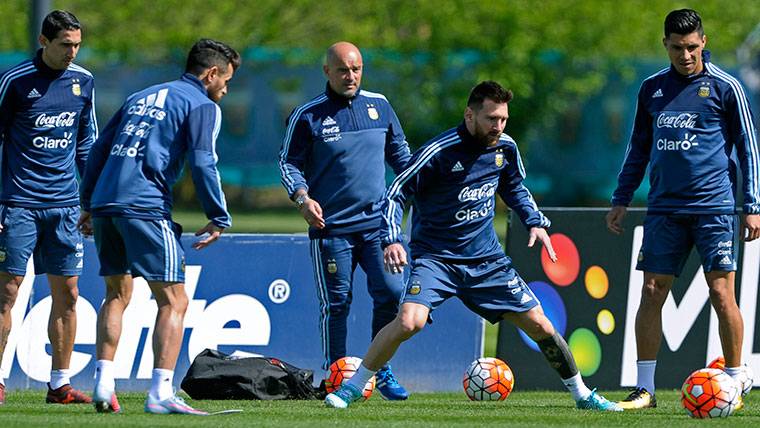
332	164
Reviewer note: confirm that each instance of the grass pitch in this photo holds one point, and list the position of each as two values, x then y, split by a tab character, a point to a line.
522	408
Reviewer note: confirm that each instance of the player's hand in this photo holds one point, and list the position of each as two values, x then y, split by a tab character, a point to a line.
615	219
312	213
539	233
750	227
84	224
394	258
213	231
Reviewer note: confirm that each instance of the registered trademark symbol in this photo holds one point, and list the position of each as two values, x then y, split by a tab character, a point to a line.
279	291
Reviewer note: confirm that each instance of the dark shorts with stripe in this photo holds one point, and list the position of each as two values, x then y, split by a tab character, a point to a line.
490	289
49	234
147	248
669	238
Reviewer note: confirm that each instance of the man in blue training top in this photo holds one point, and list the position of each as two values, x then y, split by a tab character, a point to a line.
127	190
333	166
47	125
689	118
455	252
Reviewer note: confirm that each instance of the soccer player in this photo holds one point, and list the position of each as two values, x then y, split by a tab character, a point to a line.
333	166
453	180
47	125
127	192
689	118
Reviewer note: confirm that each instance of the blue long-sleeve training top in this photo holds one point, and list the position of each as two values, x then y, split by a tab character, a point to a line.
453	180
140	154
685	129
47	126
336	149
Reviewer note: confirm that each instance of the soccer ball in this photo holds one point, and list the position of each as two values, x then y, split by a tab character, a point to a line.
710	393
488	379
344	368
745	377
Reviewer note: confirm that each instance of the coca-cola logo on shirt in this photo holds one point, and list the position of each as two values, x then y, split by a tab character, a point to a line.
677	120
65	119
477	193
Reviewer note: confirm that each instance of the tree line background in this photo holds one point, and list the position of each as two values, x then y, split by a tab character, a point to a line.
553	54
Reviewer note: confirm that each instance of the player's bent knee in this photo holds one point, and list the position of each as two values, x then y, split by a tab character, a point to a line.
408	326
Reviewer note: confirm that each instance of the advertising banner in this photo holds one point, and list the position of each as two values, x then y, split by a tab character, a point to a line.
250	294
592	295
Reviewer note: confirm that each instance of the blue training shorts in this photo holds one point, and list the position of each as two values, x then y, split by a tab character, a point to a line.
50	234
490	289
668	240
147	248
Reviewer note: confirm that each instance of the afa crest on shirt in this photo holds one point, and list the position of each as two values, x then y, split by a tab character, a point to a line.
415	288
704	91
372	112
499	158
332	266
75	88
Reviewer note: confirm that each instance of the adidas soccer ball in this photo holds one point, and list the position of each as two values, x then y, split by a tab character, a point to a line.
745	378
710	393
344	368
488	379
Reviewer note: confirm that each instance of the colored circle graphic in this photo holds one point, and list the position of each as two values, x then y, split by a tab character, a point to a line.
553	306
605	321
597	283
587	351
568	264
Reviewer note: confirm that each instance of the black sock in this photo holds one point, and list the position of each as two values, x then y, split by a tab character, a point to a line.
558	355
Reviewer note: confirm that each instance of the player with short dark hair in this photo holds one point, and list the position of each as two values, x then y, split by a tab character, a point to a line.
690	117
453	180
332	164
127	188
47	125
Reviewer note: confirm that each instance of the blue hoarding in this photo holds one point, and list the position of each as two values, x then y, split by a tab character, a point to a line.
248	294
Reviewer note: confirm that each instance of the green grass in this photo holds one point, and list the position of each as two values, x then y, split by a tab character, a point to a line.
522	408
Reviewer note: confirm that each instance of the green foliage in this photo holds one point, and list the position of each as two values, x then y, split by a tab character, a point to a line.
552	53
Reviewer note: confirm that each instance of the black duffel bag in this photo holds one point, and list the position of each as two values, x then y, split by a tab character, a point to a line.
214	375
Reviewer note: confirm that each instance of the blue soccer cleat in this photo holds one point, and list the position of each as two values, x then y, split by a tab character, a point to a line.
343	397
388	386
173	404
597	402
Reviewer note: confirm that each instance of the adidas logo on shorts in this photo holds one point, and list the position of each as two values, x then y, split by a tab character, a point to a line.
525	298
657	94
457	167
33	93
725	260
329	121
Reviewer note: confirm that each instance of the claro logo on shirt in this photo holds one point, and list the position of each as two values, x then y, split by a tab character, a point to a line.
125	150
53	143
685	144
65	119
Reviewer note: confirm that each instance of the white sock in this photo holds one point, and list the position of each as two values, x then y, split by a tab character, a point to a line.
59	377
104	375
577	388
361	377
734	372
645	374
161	387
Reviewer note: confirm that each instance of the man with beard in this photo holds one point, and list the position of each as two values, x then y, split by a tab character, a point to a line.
455	252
